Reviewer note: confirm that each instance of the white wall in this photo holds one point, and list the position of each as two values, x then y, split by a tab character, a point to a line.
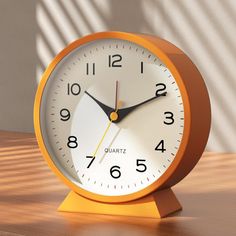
204	29
17	64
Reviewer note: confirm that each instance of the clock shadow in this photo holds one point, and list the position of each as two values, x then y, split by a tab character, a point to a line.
207	209
88	224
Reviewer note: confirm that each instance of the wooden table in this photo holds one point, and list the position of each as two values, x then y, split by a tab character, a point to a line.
30	194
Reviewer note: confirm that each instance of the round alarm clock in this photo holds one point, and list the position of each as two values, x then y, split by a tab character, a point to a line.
121	116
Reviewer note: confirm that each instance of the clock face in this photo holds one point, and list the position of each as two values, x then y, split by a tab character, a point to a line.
122	153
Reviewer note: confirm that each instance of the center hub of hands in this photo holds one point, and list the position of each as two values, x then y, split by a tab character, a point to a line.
113	116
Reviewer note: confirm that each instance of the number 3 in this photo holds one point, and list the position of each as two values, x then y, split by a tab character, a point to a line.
170	117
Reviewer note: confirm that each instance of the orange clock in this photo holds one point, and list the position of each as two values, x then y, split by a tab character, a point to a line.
120	118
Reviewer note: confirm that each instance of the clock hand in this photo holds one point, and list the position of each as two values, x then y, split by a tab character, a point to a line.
116	97
113	116
122	113
103	136
104	107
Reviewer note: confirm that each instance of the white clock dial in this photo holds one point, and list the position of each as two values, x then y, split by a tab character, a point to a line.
120	157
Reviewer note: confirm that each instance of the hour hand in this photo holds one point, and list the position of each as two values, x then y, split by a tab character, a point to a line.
104	107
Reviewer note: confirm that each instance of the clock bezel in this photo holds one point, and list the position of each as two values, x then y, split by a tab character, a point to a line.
181	68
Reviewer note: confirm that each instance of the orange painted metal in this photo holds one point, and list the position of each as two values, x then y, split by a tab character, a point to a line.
157	205
196	103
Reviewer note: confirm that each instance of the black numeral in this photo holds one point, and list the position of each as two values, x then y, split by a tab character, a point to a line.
160	146
141	67
73	89
88	70
160	87
72	142
115	172
92	159
141	165
114	60
65	114
169	116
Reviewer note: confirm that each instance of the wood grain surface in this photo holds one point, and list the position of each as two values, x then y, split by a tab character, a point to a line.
30	194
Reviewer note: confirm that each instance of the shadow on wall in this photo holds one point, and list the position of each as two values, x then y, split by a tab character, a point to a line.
61	22
126	16
203	30
207	35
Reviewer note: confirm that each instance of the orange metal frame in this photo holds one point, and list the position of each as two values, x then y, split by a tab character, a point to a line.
196	102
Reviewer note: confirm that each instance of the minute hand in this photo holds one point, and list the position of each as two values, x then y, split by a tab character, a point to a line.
122	113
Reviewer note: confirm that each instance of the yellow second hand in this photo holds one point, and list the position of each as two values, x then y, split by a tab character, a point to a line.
99	144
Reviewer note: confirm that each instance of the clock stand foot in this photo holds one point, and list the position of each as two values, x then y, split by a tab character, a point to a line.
156	205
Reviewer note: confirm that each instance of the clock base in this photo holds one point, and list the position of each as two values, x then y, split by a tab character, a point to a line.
156	205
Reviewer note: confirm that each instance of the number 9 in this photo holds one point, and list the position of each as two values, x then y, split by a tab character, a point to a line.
65	114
